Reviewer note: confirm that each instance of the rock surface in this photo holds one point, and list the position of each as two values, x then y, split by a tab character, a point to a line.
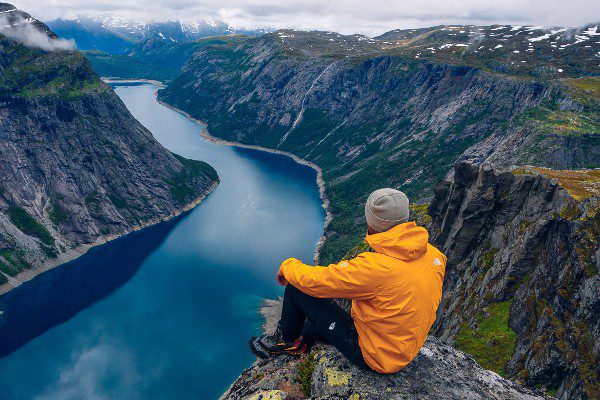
77	169
372	115
438	372
519	238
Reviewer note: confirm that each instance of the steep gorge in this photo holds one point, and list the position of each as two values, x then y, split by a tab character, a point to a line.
521	293
77	169
370	117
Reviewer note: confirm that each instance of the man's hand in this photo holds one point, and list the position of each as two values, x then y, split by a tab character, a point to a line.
280	278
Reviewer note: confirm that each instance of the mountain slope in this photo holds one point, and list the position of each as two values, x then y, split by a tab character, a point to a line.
522	288
123	48
77	169
90	36
372	113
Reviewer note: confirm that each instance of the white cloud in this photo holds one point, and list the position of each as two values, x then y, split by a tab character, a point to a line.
346	16
86	375
23	31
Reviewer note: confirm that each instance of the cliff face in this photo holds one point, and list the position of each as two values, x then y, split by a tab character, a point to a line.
373	115
438	372
77	168
522	290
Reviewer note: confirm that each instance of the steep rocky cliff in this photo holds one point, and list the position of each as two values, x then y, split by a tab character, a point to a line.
77	169
438	372
382	112
399	110
522	289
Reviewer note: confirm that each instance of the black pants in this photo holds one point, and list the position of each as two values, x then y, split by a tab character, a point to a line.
320	319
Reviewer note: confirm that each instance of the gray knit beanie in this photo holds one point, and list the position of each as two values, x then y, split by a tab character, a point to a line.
386	208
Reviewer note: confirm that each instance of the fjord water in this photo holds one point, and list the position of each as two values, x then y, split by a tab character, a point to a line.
164	313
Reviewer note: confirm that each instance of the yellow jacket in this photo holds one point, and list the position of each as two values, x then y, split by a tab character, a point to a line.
395	292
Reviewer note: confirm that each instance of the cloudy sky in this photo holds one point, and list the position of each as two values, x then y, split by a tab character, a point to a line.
347	16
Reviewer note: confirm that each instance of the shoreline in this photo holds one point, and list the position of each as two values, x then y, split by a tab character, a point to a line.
108	79
320	182
27	275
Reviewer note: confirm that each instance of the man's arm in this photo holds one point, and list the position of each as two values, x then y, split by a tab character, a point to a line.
352	279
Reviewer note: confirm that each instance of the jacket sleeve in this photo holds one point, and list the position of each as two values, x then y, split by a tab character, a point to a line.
352	279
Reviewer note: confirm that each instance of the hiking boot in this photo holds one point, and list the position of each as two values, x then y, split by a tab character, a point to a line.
266	346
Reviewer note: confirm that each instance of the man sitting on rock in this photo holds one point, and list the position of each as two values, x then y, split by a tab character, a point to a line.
395	288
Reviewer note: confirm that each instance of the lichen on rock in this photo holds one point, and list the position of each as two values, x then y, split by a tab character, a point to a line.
438	372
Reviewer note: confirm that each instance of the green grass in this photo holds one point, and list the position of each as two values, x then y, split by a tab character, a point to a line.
305	370
548	119
28	225
492	341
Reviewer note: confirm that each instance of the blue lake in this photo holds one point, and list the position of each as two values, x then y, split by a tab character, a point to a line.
164	313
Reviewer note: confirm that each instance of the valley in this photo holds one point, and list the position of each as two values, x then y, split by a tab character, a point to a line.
493	132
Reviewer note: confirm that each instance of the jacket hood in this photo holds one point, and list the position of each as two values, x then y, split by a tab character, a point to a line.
405	241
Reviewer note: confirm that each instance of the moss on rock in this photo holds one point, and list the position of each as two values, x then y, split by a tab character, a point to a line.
491	342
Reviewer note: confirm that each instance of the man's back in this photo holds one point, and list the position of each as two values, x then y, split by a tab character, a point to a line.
395	292
393	325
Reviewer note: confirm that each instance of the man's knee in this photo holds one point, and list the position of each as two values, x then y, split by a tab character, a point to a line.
290	290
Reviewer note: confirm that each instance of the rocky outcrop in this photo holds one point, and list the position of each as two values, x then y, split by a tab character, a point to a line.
372	115
77	169
438	372
520	242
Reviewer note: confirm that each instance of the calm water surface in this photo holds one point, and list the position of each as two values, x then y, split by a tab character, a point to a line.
164	313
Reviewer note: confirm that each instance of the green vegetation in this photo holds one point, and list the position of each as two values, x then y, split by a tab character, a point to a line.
491	342
118	201
30	73
487	261
12	261
124	66
580	184
153	59
182	185
589	232
28	225
57	214
570	212
420	215
585	90
356	250
305	370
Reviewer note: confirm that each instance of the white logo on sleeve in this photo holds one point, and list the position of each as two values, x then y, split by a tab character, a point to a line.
437	262
332	326
344	264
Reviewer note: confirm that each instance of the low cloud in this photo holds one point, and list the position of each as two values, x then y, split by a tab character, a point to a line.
344	16
86	375
24	31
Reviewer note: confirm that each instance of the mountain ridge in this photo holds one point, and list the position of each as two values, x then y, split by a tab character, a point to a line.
350	115
77	168
374	116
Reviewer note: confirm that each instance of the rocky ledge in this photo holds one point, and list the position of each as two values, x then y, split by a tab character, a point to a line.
439	371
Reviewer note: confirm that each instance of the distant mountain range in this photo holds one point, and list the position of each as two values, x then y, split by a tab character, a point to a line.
115	35
124	48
